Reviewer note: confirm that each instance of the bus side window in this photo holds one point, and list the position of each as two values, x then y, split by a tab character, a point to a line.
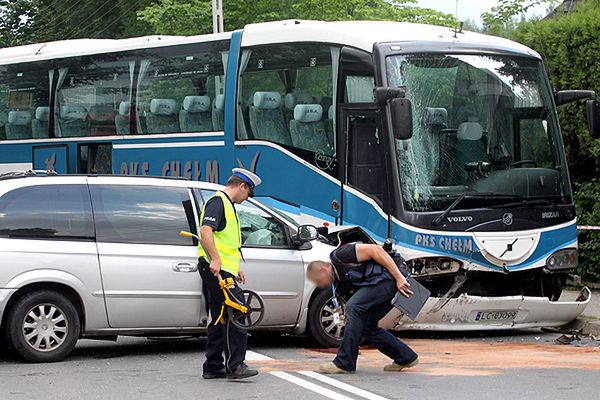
24	92
181	88
92	94
286	96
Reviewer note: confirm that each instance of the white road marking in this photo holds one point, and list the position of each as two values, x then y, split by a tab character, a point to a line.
254	356
310	386
343	386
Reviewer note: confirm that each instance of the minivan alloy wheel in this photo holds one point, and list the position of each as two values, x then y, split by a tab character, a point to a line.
333	330
45	327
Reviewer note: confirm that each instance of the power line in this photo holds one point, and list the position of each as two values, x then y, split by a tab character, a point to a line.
135	5
77	30
54	16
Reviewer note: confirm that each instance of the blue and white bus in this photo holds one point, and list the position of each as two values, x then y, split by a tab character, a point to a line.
446	142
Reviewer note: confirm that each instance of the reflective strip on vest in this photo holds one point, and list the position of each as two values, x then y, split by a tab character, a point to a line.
228	241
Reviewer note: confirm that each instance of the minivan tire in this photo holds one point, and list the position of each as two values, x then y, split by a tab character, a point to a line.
51	323
316	326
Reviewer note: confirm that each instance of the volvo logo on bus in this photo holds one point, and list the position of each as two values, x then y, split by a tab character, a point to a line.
460	218
507	219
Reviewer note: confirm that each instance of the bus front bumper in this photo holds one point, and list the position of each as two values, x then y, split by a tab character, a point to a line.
474	313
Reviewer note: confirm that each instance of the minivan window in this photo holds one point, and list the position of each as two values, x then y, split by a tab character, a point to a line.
47	211
141	214
259	228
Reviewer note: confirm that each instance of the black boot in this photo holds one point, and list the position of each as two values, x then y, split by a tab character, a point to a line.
242	372
215	375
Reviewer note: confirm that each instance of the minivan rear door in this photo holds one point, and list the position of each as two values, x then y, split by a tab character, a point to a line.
149	272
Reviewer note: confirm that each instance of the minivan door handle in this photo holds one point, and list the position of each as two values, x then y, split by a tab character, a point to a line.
185	267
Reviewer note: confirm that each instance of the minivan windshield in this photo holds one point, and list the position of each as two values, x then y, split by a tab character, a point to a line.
483	125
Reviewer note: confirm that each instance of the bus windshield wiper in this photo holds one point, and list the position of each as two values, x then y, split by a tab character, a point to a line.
463	196
526	202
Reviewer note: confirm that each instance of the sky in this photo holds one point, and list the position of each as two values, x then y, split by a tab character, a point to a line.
471	9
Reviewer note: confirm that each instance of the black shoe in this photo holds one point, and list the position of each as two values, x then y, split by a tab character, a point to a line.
215	375
242	372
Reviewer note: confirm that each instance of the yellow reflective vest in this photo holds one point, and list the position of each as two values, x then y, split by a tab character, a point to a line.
228	241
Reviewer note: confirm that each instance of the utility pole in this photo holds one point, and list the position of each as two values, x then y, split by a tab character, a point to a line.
217	9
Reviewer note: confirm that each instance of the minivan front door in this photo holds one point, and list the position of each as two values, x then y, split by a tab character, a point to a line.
149	272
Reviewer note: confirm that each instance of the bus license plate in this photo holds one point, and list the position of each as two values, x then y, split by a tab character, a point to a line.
496	315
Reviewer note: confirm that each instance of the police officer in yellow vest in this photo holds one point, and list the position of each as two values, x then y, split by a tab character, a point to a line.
221	244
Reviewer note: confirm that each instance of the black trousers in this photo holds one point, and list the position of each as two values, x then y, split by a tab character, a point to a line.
222	339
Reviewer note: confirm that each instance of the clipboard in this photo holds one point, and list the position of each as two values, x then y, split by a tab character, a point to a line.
411	306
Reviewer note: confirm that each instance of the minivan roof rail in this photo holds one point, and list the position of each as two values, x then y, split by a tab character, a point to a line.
39	173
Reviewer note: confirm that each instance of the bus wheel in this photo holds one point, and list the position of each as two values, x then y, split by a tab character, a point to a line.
321	322
42	326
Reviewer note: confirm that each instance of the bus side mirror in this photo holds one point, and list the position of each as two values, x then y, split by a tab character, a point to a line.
401	116
592	108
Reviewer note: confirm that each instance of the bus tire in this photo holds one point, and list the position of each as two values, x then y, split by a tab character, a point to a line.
42	326
320	320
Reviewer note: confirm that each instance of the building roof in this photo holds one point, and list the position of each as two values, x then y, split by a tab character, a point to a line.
359	34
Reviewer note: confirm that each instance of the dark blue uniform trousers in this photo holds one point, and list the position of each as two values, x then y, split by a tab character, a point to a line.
363	312
222	339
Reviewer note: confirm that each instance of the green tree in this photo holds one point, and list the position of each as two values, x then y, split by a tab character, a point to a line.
36	21
501	19
194	16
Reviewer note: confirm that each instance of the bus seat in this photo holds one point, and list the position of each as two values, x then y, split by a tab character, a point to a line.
291	100
39	125
72	121
435	118
469	147
195	115
18	125
329	124
162	117
266	118
308	130
218	113
122	118
101	120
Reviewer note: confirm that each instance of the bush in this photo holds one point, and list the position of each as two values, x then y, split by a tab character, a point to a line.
570	47
588	211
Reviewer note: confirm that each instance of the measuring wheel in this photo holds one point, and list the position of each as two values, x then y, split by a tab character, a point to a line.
255	314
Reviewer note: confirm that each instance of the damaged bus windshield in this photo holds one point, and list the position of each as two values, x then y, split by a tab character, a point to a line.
483	125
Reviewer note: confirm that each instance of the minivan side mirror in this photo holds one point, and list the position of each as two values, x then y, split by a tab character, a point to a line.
592	108
307	233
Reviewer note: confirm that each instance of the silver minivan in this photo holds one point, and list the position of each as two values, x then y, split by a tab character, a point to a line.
100	256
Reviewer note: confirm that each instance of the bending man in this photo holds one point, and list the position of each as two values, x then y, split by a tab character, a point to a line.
371	273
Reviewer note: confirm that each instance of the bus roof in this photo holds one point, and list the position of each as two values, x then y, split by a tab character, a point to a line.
364	34
81	47
359	34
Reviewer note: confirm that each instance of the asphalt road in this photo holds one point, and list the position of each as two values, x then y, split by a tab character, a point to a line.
523	365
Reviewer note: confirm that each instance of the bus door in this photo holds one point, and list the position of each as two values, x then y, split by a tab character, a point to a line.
364	169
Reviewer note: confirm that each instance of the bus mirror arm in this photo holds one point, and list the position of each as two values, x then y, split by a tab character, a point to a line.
568	96
383	95
592	107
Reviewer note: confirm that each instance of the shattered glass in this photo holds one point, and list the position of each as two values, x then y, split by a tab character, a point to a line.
482	124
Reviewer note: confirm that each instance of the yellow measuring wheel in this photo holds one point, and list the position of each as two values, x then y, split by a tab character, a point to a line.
246	312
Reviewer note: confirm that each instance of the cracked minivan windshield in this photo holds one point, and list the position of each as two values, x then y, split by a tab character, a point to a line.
483	125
